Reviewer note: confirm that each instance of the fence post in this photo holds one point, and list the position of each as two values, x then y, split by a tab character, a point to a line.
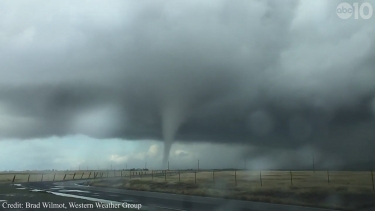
28	179
74	175
179	177
260	176
291	178
372	177
64	177
213	176
165	175
235	178
195	177
42	178
328	176
14	178
54	177
82	174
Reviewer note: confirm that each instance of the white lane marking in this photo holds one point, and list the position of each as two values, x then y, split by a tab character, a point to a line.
3	200
81	185
116	195
21	188
76	191
37	190
85	197
17	184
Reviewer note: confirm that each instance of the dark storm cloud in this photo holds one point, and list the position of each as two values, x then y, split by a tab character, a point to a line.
260	73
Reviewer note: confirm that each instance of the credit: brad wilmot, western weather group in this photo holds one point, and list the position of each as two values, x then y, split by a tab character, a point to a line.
51	205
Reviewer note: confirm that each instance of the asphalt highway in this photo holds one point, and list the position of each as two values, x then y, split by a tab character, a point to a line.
156	201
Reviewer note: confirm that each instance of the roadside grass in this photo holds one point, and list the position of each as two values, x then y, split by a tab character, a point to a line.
345	190
352	191
35	176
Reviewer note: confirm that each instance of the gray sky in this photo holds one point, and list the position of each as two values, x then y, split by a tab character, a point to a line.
270	81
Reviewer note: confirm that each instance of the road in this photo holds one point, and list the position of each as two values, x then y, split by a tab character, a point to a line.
158	201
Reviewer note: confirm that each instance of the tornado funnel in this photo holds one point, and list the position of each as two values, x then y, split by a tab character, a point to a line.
173	115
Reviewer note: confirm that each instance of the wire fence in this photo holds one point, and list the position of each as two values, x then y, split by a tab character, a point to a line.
363	179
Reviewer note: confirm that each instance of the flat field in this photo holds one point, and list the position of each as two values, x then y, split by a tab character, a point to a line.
343	190
34	176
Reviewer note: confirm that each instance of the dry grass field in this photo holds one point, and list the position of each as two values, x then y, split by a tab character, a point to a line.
339	190
344	190
36	176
